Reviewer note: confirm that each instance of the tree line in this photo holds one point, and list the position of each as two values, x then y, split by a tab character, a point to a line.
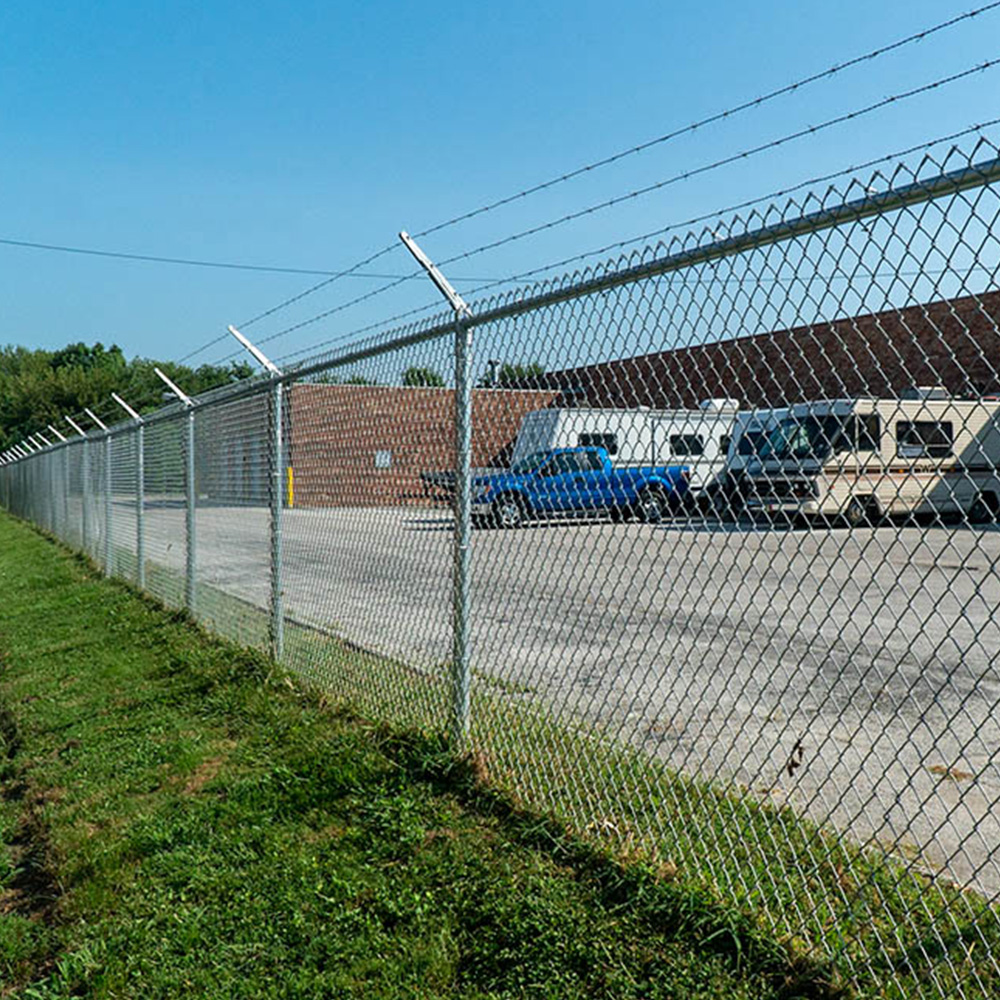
41	387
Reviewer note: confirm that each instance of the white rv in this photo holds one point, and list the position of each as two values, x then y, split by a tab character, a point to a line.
699	439
862	459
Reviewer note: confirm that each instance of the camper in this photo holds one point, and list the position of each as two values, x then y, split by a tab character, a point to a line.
865	459
699	439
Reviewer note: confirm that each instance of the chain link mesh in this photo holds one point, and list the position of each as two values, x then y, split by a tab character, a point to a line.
733	585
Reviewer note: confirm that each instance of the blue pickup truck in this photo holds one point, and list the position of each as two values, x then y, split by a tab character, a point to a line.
574	481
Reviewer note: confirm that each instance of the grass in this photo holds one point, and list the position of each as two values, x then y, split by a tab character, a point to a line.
177	820
762	872
886	927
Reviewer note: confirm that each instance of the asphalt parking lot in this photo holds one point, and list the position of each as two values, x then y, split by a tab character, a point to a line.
871	655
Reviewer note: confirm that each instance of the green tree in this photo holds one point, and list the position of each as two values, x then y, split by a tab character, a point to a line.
513	376
417	376
41	387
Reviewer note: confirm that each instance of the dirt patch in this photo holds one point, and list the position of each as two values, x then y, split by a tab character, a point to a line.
33	890
10	739
202	775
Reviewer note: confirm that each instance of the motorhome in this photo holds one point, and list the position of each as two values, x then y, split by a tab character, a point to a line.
725	493
699	439
864	459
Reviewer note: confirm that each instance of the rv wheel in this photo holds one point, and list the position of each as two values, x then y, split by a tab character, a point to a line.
984	509
863	512
509	512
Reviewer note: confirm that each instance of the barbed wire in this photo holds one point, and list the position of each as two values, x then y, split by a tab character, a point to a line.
724	115
645	238
659	185
718	213
712	119
724	161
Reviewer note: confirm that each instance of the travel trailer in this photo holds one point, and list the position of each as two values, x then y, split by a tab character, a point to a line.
698	439
863	459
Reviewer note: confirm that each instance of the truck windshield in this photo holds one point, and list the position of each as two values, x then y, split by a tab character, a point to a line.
530	463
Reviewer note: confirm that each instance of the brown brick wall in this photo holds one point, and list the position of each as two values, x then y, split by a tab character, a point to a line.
336	431
954	343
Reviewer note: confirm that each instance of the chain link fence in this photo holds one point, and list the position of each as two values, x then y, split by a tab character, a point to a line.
720	588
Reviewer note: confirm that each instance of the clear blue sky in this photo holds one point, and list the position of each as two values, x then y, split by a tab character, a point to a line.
307	134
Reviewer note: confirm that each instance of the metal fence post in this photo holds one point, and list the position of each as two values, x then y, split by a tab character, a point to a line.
277	481
65	492
108	452
140	505
85	495
276	455
461	672
192	499
140	555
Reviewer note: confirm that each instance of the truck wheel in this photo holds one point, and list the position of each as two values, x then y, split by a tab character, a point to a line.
652	506
509	512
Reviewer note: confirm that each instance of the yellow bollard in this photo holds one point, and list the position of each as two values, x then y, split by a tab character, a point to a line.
291	488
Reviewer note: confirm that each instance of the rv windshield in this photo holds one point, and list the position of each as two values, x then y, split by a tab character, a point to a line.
805	438
819	437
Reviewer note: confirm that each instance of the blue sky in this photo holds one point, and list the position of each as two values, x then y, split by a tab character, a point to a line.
307	134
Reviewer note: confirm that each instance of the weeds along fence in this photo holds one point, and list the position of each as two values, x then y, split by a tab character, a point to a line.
760	653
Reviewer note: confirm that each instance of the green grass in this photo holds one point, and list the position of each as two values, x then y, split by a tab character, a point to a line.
178	821
764	873
885	927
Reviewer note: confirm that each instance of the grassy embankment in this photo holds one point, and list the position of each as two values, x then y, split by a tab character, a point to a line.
176	820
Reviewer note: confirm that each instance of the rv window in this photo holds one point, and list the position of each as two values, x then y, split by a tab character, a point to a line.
686	444
868	431
609	442
724	444
859	432
924	438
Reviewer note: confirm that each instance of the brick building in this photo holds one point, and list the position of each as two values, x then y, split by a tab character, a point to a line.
359	445
954	343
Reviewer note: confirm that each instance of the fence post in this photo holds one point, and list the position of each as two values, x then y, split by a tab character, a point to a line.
140	509
277	485
140	490
85	496
276	482
463	528
65	489
460	665
108	551
86	465
190	594
62	478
